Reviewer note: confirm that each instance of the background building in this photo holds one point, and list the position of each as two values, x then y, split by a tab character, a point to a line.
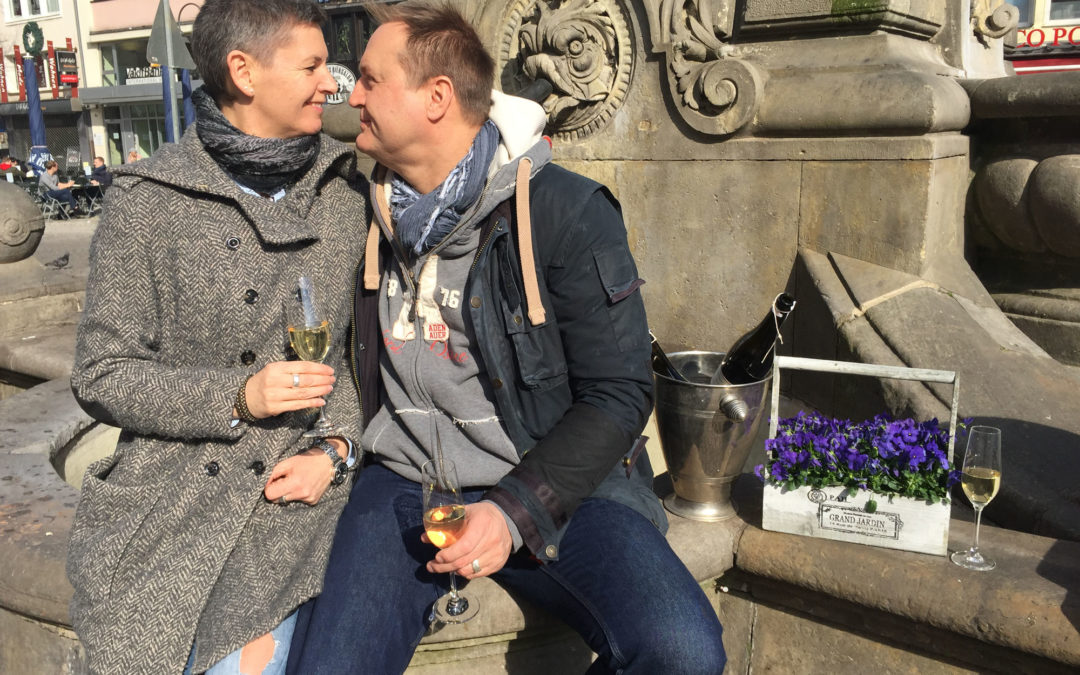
1049	36
124	92
55	22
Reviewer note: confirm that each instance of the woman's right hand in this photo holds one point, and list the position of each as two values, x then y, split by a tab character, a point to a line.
271	392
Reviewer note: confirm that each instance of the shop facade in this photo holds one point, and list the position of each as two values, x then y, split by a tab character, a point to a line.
1048	38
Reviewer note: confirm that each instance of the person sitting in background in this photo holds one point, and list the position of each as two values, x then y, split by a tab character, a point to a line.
9	165
50	186
133	156
100	175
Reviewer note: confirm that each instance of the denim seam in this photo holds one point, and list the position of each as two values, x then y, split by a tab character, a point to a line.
616	653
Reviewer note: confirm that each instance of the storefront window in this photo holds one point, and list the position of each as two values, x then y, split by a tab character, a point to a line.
1064	10
1027	11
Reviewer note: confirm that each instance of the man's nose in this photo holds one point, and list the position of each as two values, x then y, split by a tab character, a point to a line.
356	98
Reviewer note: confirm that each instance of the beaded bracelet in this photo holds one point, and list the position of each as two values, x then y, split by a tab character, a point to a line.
242	410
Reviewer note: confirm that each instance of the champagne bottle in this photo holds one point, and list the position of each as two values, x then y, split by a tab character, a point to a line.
662	364
751	357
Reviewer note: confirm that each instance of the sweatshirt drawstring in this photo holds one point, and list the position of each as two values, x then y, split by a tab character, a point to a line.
535	307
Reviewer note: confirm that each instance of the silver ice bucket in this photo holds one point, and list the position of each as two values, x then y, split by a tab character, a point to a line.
706	433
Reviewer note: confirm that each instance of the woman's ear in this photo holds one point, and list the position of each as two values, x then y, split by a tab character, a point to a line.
240	73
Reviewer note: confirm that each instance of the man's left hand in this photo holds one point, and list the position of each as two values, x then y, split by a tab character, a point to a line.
485	539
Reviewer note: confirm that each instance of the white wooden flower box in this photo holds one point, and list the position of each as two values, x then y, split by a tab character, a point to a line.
834	513
831	513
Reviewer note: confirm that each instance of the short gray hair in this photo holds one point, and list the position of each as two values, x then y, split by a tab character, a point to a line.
251	26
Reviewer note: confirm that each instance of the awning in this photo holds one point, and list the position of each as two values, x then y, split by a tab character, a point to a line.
1058	65
64	106
127	93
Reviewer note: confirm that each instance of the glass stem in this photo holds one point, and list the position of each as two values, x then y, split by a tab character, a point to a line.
453	585
978	518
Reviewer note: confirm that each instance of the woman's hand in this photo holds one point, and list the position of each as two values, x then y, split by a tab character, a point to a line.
300	478
271	392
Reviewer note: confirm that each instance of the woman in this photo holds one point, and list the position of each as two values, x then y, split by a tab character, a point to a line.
133	156
198	539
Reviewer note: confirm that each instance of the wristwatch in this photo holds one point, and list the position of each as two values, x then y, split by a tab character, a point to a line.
341	469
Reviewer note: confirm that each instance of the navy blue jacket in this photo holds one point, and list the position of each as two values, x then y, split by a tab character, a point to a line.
101	175
574	391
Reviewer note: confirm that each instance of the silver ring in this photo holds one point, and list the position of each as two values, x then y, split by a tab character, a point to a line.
295	380
281	500
476	566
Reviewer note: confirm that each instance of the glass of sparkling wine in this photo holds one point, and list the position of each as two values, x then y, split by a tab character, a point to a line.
444	519
981	479
309	335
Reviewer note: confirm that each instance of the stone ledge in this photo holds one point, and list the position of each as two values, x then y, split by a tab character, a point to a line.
1030	603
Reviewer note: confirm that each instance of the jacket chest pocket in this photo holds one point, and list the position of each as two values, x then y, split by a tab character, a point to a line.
538	350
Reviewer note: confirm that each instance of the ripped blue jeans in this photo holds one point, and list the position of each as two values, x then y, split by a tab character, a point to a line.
230	665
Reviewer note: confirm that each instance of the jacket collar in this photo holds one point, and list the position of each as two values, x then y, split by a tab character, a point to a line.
186	165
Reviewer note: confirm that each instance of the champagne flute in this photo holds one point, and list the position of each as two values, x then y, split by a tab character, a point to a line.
309	335
444	520
981	479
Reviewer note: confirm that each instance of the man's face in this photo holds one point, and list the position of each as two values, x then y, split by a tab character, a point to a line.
52	170
98	162
392	113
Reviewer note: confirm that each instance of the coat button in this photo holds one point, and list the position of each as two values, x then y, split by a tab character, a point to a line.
251	296
247	358
551	551
257	467
212	468
517	319
232	243
475	302
497	383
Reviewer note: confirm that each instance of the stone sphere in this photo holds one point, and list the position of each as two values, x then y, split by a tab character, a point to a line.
1001	190
1055	203
21	224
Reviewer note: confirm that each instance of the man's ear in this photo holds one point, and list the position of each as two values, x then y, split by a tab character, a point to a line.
440	97
240	73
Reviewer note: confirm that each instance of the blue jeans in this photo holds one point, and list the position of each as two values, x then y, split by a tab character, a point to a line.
230	665
63	196
617	582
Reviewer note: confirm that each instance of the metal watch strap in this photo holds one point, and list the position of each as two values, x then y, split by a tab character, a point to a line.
339	467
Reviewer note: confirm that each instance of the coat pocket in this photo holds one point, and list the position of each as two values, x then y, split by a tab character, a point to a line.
620	280
109	517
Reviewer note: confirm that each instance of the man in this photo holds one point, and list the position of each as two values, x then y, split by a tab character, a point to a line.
498	322
100	175
50	186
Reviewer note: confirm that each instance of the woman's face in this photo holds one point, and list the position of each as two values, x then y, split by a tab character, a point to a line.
291	88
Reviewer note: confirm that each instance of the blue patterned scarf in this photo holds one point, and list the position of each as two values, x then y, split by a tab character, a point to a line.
422	221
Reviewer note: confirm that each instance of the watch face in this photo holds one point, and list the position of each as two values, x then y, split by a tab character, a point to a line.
340	471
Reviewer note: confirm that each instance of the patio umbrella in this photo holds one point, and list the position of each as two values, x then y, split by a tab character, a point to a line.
189	107
39	152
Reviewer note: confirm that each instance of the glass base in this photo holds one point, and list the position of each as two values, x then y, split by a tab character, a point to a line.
972	559
449	610
323	428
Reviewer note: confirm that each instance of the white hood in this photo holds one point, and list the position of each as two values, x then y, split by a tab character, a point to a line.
521	126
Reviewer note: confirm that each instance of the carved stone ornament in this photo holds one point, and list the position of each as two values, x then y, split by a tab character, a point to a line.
582	47
715	94
993	18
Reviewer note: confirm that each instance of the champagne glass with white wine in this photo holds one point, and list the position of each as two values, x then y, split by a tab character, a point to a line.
309	335
444	520
981	480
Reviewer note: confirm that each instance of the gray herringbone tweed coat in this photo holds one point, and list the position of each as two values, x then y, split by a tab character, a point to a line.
173	542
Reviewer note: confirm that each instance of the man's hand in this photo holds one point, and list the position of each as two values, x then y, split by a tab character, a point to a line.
485	539
271	392
300	478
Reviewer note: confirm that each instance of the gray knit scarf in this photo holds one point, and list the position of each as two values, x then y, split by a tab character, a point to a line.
263	164
422	221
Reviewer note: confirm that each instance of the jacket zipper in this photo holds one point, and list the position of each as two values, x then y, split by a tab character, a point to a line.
355	357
